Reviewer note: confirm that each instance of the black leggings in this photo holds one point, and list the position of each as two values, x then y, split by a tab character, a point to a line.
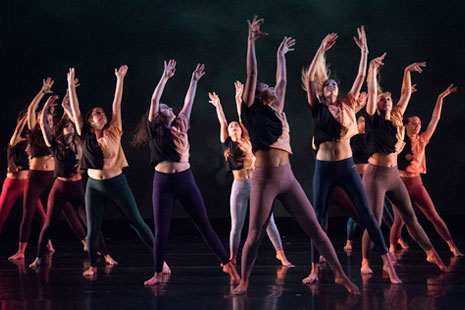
166	188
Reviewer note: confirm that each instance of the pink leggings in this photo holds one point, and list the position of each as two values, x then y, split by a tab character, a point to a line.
421	198
12	191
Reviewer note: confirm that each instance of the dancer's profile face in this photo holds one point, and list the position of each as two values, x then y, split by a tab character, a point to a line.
385	102
361	124
68	129
98	119
234	129
330	88
414	125
167	113
267	93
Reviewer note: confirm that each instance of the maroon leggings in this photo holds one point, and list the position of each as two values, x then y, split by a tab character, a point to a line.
385	181
421	198
279	183
13	189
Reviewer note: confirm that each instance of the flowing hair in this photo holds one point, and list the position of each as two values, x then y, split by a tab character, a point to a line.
60	137
322	74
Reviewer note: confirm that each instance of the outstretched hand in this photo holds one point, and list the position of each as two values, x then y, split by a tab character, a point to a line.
50	104
47	85
416	66
361	41
286	45
198	72
414	88
71	77
328	41
214	99
170	68
378	61
451	89
254	28
121	72
239	89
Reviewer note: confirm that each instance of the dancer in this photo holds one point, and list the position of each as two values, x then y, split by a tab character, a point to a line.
239	160
385	135
17	171
67	191
412	163
167	137
334	123
263	116
103	157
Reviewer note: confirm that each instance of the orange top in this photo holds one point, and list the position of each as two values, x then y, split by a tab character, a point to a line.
284	140
110	143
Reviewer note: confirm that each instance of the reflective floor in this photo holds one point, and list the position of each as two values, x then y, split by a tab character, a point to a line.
198	283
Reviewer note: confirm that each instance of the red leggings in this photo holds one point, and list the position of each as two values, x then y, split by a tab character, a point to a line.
422	200
12	191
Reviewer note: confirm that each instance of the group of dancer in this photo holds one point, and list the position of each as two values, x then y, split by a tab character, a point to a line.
357	166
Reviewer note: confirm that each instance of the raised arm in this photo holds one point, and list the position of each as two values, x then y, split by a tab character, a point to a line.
252	71
362	68
116	115
238	97
372	84
18	130
65	103
406	91
31	110
168	72
281	72
215	101
190	96
326	44
44	126
74	102
437	111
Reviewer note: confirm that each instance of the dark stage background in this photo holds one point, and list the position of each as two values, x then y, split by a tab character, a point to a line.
44	38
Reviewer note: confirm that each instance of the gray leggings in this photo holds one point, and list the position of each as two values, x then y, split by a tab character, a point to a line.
385	181
239	199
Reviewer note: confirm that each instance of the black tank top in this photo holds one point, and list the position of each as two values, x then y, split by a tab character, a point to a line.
402	162
17	157
359	147
381	134
92	154
36	140
161	143
233	154
326	127
67	159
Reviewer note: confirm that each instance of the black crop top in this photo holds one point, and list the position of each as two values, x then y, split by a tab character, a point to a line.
326	127
92	154
263	124
67	160
237	156
36	140
385	136
162	147
359	147
17	157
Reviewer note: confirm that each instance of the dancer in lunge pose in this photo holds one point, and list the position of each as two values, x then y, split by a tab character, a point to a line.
166	135
334	122
412	163
239	160
385	135
103	157
263	116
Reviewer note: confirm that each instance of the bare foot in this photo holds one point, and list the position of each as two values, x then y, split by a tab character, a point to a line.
402	243
342	279
433	257
166	269
50	247
92	271
36	263
365	267
17	256
311	278
231	270
282	257
157	278
389	269
392	257
392	248
456	251
348	246
240	289
84	245
110	261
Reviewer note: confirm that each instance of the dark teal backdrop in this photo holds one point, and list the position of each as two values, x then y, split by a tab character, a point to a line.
44	38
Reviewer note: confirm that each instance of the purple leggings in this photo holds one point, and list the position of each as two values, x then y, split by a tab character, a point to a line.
166	188
279	183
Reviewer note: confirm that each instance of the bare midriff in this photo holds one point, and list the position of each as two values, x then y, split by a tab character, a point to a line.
171	167
242	174
361	168
73	178
334	150
43	163
104	174
383	160
20	175
406	174
271	158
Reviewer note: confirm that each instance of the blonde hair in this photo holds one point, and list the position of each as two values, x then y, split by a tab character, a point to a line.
321	75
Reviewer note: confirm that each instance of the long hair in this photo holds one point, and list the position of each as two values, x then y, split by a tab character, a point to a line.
89	114
139	136
21	115
60	137
321	75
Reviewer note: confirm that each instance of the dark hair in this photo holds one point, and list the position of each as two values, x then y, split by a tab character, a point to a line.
139	136
406	119
89	114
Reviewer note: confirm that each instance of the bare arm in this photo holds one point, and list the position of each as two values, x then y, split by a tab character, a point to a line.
116	107
406	91
252	71
326	44
168	72
238	97
281	72
215	101
428	133
65	103
74	103
44	126
18	130
372	84
31	110
190	96
362	68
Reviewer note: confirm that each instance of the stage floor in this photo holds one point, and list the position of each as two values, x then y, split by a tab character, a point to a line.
198	283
